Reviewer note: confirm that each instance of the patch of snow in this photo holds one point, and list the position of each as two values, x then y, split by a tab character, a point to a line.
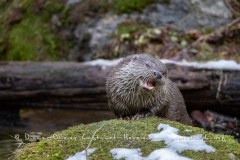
103	62
220	64
135	154
180	143
81	155
128	154
165	154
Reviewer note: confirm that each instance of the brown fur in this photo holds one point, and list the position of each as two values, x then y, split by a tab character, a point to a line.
129	100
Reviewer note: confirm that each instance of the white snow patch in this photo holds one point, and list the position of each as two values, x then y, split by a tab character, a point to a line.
165	154
220	64
81	155
128	154
103	62
135	154
180	143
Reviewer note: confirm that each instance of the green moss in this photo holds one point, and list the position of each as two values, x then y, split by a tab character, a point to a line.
52	7
121	133
32	6
31	40
128	6
129	28
25	4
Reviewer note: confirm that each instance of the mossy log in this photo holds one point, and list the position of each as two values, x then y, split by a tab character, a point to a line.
82	85
107	135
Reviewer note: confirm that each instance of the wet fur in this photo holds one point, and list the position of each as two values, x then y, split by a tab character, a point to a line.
127	99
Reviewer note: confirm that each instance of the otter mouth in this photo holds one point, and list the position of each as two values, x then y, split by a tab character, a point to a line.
148	85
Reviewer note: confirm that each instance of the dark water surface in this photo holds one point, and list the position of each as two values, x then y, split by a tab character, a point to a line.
19	126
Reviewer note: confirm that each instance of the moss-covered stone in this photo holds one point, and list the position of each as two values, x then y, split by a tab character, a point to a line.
31	40
107	135
30	37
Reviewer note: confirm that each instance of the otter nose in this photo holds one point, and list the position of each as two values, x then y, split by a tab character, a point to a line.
157	74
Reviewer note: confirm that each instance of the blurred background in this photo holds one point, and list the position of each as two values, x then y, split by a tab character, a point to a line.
43	44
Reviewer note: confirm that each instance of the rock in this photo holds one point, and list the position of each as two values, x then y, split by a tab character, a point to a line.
93	24
107	135
182	15
200	118
188	15
98	31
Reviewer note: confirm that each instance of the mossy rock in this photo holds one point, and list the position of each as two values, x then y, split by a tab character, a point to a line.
107	135
31	42
31	37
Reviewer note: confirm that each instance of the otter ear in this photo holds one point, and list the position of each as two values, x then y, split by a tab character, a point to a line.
134	58
165	74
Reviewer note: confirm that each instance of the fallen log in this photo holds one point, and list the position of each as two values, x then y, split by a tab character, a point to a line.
82	85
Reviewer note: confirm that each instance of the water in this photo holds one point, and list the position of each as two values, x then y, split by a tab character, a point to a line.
27	122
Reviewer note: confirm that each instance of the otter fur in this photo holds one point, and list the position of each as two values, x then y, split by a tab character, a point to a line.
138	86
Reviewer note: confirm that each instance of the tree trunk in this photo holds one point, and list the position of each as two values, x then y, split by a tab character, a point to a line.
81	85
212	89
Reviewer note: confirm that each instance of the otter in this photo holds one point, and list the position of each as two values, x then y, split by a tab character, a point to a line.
138	86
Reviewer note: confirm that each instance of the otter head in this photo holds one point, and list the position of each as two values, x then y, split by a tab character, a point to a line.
136	79
147	72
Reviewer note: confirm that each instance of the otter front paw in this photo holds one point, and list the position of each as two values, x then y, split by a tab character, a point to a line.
125	118
137	116
141	115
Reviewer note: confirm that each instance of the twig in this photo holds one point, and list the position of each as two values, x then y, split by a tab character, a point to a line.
93	137
219	86
217	32
230	6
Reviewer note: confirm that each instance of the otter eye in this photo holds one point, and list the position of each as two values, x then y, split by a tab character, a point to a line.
164	74
147	65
